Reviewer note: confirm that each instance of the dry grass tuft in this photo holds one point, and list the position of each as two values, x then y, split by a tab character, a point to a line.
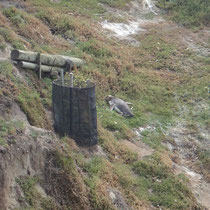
3	21
165	159
114	148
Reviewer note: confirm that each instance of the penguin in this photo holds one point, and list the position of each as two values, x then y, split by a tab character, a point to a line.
119	106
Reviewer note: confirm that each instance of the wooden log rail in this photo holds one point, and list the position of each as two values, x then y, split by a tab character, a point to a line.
46	59
33	66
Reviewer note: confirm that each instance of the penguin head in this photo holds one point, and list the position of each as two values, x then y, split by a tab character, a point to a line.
109	98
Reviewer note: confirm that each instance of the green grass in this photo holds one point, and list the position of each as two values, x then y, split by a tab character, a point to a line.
191	13
83	7
204	156
16	16
94	167
194	95
117	3
126	176
151	180
114	122
88	185
32	197
93	47
154	139
9	36
27	184
26	95
9	128
6	70
3	142
63	25
160	186
2	44
30	102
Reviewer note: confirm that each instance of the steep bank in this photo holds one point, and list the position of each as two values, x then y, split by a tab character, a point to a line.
158	76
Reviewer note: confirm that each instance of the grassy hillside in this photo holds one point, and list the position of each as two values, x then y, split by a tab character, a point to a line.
160	77
190	13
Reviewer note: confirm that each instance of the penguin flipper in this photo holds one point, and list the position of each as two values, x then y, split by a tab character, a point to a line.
118	110
112	106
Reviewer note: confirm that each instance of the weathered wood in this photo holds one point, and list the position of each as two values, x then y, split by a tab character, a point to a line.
46	59
39	65
33	66
69	65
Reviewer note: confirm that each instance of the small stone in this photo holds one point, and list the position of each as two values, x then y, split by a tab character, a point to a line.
3	149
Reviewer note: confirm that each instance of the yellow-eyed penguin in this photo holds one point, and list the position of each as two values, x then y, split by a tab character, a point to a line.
119	106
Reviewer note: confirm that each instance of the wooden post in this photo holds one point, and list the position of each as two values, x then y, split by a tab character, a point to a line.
88	82
71	80
69	65
39	65
62	78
